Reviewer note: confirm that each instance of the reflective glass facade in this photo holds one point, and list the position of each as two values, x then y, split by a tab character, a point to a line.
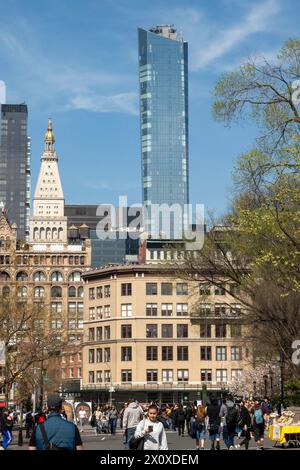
15	176
163	78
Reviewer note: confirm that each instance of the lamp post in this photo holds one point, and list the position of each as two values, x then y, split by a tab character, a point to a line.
271	373
265	377
281	361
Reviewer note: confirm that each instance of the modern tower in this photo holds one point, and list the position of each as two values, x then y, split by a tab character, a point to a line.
163	79
48	224
15	176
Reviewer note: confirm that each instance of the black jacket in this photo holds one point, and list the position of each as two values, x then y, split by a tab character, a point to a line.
245	417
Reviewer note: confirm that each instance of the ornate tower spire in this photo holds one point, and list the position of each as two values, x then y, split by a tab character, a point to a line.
49	137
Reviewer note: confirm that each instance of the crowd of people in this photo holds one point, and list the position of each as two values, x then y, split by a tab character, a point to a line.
222	422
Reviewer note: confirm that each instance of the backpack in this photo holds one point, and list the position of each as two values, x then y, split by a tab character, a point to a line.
232	415
258	416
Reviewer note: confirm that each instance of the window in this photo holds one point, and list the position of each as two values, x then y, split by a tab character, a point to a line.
22	276
167	375
72	324
205	353
181	288
151	375
39	292
151	288
182	375
39	276
22	292
235	331
204	289
205	330
107	376
91	356
206	375
220	310
126	310
205	309
166	310
234	289
126	331
126	289
151	310
79	372
98	333
236	353
152	353
167	353
220	290
91	377
182	353
99	376
235	310
220	330
72	308
75	276
126	375
99	355
80	291
126	353
167	330
72	291
106	291
235	374
107	311
106	354
182	331
91	334
91	293
56	276
166	288
151	331
221	353
182	310
79	357
106	332
56	324
99	312
222	375
92	313
99	292
56	292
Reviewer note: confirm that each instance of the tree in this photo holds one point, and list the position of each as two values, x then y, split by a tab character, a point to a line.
262	381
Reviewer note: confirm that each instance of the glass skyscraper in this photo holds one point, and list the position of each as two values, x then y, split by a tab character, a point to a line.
15	166
163	79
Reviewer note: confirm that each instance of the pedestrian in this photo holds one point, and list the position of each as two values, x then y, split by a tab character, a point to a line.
55	433
133	414
258	424
188	416
180	420
214	422
98	415
29	423
230	416
82	418
152	431
6	427
122	414
245	425
200	427
113	418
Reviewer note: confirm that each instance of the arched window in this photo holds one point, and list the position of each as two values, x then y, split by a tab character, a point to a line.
72	291
48	233
22	292
75	277
2	243
4	276
56	292
56	276
80	291
42	233
39	276
35	233
6	291
54	233
39	291
60	233
22	276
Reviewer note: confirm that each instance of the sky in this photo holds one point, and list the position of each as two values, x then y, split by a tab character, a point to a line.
77	62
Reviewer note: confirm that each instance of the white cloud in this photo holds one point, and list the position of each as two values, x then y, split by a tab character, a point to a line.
122	102
2	92
257	20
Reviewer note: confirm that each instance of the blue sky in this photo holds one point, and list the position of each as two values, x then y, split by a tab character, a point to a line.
76	61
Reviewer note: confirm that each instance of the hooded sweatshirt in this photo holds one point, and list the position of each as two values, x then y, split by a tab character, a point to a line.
224	409
132	415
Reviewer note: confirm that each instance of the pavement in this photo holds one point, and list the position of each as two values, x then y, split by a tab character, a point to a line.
108	442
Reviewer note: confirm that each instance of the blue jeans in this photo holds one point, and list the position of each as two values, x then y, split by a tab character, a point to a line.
113	425
7	438
228	435
128	435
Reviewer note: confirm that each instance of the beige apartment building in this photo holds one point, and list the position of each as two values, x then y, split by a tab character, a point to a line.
155	337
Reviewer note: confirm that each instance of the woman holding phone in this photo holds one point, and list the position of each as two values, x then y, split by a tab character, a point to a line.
152	431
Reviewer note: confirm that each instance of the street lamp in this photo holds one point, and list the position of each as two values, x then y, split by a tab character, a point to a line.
271	373
265	377
281	361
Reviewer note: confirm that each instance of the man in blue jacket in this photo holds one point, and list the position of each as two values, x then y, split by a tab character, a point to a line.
55	431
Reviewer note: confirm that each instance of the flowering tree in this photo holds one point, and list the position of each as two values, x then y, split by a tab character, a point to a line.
262	380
